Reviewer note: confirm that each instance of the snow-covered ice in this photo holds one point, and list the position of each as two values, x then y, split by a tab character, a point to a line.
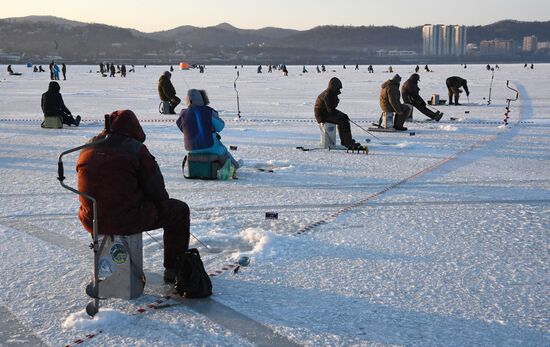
441	238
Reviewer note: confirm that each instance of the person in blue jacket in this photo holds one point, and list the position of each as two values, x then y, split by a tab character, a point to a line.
200	125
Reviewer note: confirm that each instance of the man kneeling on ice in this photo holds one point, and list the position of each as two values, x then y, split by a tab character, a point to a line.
125	179
326	112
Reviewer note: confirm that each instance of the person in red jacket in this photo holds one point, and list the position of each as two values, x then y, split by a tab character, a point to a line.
124	178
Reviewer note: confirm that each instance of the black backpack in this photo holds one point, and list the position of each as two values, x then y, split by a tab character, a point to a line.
192	281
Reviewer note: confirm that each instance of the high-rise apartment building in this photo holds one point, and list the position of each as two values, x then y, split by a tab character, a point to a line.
444	40
530	43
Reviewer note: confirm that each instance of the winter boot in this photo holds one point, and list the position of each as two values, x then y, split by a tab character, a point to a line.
77	121
438	116
399	128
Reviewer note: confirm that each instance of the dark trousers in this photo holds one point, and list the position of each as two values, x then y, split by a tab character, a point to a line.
421	106
68	119
344	128
173	217
173	103
454	92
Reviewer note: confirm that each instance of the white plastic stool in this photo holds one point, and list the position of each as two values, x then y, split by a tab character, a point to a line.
386	119
328	134
164	107
120	266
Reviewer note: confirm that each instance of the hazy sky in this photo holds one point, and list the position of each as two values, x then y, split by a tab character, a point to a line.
147	15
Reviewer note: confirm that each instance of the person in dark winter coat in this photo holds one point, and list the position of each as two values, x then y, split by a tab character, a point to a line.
390	101
112	70
167	92
123	70
127	182
454	84
410	95
64	71
53	105
326	112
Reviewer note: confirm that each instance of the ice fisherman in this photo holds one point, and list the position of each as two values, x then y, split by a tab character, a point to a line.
201	125
64	71
53	105
326	112
390	101
454	84
127	182
410	94
167	92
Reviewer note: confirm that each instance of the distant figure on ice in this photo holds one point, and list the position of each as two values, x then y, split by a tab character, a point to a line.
390	69
390	101
270	69
285	71
454	84
41	69
56	72
326	112
532	66
416	69
497	67
133	69
10	70
488	67
53	105
304	70
101	68
51	71
344	67
525	66
35	69
123	70
318	70
370	69
465	66
201	68
131	194
410	94
356	66
323	68
259	70
167	92
200	125
112	69
64	71
171	68
426	68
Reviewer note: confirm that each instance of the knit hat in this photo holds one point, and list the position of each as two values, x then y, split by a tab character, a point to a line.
396	78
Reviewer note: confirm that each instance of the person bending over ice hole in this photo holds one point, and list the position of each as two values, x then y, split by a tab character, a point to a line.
390	101
126	180
200	125
410	95
326	112
453	85
53	106
167	92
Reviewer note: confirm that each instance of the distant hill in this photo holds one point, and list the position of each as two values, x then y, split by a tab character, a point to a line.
40	38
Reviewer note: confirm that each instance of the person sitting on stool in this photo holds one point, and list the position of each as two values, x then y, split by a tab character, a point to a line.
326	112
53	105
167	92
